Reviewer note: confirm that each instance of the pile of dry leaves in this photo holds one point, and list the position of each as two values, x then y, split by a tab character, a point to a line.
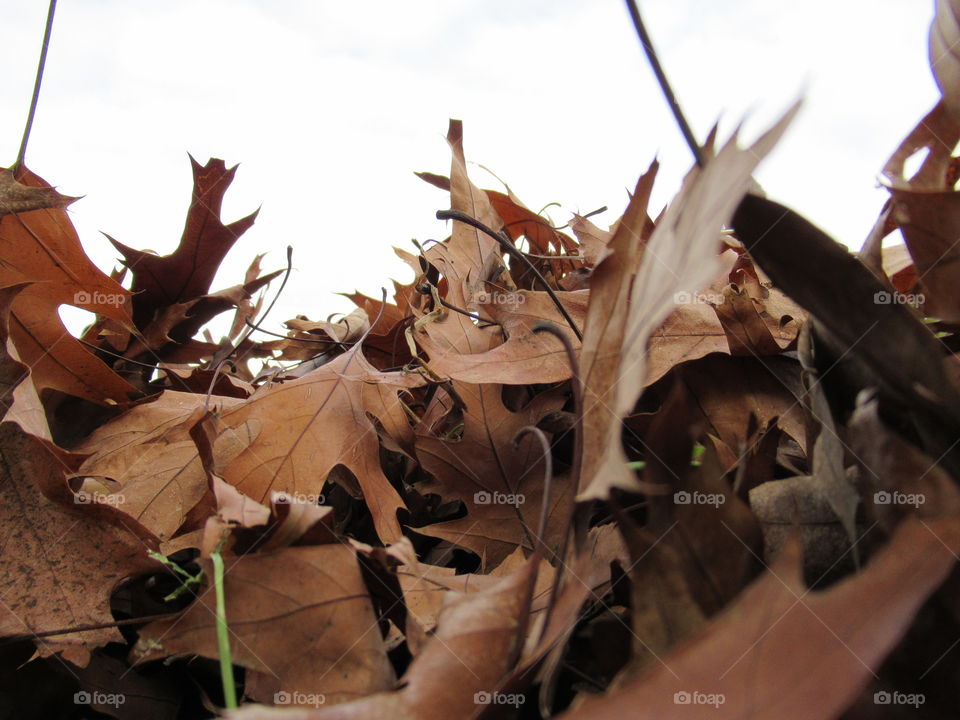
656	470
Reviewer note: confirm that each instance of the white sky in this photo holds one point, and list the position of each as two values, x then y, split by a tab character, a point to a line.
329	106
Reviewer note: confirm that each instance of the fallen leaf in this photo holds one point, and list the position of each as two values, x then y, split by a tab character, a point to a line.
186	274
300	617
16	197
477	642
679	256
63	556
501	487
148	452
782	651
523	357
42	247
944	58
347	400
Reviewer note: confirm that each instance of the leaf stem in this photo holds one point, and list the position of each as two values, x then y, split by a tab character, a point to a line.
664	83
36	87
507	246
223	637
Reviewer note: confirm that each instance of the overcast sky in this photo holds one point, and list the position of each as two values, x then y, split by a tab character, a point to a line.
329	107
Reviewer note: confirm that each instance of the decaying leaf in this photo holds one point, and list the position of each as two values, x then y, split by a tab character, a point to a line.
944	57
327	418
16	197
501	486
679	256
478	640
41	247
299	617
64	554
782	651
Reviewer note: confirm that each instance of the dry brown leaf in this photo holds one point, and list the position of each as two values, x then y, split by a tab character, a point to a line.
16	197
523	357
502	488
19	401
427	589
315	423
299	617
62	557
469	256
728	390
476	644
680	256
519	221
944	56
186	274
783	652
42	247
704	527
593	241
149	453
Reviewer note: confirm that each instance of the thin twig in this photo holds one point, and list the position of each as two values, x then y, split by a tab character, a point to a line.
575	384
36	88
474	316
513	252
319	341
118	355
88	628
229	355
283	284
664	83
547	480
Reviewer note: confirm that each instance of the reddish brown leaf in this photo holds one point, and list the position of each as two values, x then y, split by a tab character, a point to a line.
186	274
16	197
477	642
41	246
313	424
501	487
299	617
62	558
782	651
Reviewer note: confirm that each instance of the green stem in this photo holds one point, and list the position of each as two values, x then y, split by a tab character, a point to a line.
223	638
